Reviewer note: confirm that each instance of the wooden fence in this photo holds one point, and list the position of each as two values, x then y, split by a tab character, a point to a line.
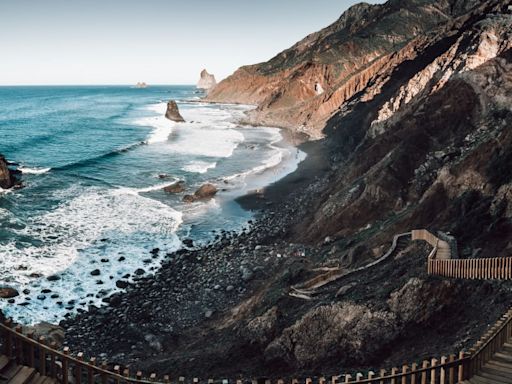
497	268
67	368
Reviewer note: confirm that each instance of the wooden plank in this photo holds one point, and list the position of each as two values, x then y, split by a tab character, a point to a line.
4	360
23	376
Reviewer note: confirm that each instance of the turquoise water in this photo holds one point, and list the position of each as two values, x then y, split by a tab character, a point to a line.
93	161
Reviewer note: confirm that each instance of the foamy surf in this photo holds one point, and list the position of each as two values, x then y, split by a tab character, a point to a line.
199	166
96	230
33	171
162	127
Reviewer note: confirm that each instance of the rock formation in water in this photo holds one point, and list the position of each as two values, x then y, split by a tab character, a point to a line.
141	85
205	192
7	176
173	113
206	81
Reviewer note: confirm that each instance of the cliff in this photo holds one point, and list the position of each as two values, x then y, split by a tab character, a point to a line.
206	81
339	59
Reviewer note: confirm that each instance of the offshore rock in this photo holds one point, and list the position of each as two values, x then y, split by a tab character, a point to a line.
173	113
207	80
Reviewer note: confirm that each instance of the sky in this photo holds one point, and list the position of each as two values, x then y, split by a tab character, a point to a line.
156	41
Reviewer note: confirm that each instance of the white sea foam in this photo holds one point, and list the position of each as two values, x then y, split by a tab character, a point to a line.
162	126
34	171
93	230
136	191
199	166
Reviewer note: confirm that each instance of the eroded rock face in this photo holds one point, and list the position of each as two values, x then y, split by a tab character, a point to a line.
339	58
206	81
344	332
419	300
173	113
262	329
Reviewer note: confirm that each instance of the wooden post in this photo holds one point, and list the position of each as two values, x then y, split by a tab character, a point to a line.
18	346
104	377
371	375
9	341
359	376
461	374
31	354
424	373
152	377
138	375
405	368
348	378
78	368
42	357
451	370
53	363
414	368
433	379
442	373
90	370
167	379
382	374
65	363
393	375
117	371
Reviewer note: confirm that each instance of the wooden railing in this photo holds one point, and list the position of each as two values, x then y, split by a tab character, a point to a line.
67	368
490	343
498	268
442	247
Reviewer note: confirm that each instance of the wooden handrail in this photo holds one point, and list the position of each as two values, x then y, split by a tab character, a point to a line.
496	268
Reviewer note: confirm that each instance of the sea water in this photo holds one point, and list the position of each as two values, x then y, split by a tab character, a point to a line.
95	161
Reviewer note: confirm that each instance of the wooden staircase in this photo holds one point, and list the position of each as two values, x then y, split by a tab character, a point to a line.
11	373
498	370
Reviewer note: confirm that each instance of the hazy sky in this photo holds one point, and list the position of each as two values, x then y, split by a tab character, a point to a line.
156	41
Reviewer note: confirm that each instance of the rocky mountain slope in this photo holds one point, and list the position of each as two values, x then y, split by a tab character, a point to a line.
424	142
305	84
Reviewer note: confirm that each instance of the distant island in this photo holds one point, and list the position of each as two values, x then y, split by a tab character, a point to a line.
141	85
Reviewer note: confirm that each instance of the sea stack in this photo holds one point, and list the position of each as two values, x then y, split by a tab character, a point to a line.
7	176
207	80
173	113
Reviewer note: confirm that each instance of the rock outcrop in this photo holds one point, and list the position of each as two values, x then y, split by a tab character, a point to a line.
205	192
173	113
206	81
7	176
177	187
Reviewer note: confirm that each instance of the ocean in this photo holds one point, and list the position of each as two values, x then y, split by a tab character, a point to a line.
93	210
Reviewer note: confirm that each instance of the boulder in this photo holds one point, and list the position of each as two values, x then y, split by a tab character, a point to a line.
419	300
177	187
173	113
344	333
205	192
8	293
51	332
206	81
261	329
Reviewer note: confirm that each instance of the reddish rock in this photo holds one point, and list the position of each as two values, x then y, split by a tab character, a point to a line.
177	187
173	113
8	293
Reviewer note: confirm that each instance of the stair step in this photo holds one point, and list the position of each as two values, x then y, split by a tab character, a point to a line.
11	371
499	365
4	360
23	376
491	378
498	372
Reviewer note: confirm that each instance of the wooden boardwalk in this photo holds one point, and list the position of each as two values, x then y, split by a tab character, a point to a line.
11	373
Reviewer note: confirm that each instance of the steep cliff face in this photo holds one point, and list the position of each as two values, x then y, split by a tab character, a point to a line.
206	81
340	59
426	143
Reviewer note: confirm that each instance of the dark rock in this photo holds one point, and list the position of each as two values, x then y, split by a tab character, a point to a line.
96	272
173	112
177	187
8	293
205	192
